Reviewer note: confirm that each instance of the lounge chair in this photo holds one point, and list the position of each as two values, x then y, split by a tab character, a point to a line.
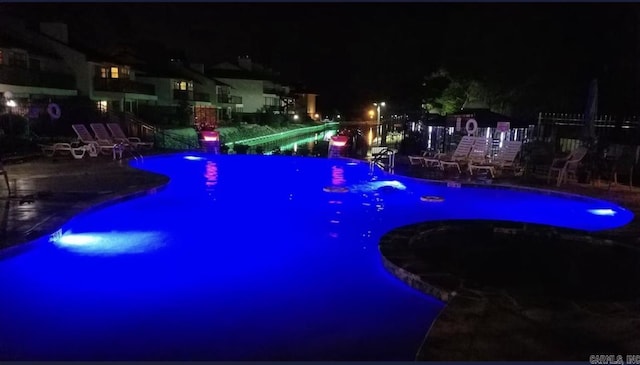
6	177
433	160
119	135
566	166
479	151
101	133
416	161
461	154
505	159
76	152
507	155
105	147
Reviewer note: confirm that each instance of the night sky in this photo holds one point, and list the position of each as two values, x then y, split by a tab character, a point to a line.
354	54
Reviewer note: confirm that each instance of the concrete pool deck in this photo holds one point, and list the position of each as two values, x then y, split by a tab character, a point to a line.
51	191
515	323
47	192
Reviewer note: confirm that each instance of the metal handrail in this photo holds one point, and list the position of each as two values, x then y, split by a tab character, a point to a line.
377	158
160	132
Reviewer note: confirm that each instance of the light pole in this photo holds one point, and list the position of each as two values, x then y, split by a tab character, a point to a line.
378	126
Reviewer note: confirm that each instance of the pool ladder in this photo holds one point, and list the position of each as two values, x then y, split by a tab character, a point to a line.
378	157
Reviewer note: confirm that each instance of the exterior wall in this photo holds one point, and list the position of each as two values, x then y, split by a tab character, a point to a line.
272	100
307	103
164	89
76	61
311	104
40	75
251	92
26	91
207	86
63	67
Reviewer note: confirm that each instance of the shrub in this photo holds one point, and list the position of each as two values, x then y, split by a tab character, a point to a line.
241	149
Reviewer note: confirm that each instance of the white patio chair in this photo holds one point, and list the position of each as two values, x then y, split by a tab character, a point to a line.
76	152
507	155
415	161
105	147
479	151
461	153
101	133
6	177
505	159
566	167
119	135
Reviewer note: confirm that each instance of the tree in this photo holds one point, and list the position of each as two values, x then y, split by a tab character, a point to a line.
453	97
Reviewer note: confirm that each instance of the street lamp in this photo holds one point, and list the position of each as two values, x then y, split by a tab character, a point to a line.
379	105
378	127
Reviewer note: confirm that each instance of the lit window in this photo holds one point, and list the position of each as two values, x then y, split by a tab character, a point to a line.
104	72
102	106
114	72
183	85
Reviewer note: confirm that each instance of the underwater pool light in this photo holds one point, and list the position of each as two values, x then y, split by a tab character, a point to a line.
609	212
111	243
193	158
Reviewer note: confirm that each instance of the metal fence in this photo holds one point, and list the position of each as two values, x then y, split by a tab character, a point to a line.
565	131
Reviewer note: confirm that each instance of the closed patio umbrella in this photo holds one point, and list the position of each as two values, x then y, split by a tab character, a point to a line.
591	110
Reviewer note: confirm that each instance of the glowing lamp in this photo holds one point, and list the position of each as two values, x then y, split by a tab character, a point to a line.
339	141
210	136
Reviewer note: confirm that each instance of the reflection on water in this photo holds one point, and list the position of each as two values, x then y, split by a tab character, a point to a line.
211	174
337	176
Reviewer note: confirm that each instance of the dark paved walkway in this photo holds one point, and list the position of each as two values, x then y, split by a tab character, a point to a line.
46	192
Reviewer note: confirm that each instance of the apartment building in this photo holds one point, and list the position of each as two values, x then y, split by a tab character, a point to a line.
39	63
260	89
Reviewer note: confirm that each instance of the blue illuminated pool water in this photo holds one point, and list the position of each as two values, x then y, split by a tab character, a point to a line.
246	258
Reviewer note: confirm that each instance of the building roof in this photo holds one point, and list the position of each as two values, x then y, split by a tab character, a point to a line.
167	71
233	74
7	41
484	117
244	68
220	83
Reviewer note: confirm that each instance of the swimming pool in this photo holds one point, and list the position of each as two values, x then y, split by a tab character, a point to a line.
247	258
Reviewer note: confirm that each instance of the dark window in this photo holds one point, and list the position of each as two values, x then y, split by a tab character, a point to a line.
18	59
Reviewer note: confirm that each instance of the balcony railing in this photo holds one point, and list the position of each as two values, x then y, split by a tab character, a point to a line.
182	95
35	78
229	99
123	86
273	91
201	97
